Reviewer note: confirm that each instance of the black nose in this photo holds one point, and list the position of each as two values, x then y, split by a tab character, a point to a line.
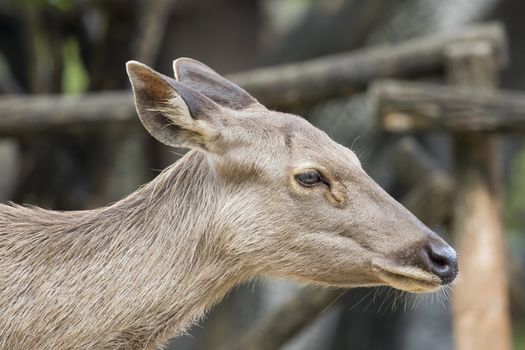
442	260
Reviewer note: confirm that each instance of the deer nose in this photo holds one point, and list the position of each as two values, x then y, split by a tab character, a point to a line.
442	260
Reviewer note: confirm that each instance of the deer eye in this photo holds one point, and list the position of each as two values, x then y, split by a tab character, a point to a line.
310	178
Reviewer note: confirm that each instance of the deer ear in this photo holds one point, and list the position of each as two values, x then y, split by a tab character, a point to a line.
173	113
209	83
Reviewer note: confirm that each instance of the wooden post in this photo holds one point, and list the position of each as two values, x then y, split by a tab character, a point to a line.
480	303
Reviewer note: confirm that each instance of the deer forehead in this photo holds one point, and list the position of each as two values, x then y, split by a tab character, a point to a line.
278	140
312	147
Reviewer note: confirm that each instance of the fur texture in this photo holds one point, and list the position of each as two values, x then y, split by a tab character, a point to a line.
122	277
133	274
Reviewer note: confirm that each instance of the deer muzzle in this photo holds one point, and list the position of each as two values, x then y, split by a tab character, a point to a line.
440	259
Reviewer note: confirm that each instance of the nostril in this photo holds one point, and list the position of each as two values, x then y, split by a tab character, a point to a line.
439	261
442	260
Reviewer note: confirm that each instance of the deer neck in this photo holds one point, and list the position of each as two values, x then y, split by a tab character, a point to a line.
137	272
186	255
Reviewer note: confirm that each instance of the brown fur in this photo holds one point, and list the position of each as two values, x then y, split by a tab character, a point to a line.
133	274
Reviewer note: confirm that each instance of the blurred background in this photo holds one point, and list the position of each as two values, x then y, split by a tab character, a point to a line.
76	47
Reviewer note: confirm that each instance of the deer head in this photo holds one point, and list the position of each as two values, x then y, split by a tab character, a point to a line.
293	203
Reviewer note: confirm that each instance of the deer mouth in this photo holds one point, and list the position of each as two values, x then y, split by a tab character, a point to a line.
409	279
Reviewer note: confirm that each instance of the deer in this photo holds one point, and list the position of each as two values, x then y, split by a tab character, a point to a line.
259	193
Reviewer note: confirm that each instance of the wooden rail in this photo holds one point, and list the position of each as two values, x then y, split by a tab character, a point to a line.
407	106
284	87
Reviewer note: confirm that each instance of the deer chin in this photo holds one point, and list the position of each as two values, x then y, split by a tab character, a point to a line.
409	279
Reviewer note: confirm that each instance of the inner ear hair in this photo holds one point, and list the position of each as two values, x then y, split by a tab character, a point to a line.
173	113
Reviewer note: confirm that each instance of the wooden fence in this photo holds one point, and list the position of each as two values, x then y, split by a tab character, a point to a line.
469	108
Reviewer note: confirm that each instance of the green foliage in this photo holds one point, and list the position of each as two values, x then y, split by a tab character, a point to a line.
518	333
74	77
4	69
63	5
515	200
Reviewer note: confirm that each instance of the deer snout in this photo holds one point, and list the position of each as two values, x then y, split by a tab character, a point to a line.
441	259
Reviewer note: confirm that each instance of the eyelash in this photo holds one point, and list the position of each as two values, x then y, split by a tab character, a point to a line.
317	178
